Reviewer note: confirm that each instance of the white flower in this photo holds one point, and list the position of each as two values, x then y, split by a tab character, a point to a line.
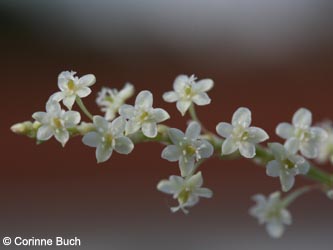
239	135
143	116
188	148
55	122
71	86
108	137
326	147
187	90
187	191
271	212
110	100
286	164
329	194
306	138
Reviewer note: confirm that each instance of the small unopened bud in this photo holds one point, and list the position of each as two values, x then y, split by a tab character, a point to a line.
329	194
26	128
18	128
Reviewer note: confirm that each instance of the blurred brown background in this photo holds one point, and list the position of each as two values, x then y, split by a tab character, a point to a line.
270	56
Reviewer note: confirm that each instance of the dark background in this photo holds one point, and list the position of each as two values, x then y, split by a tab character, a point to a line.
270	56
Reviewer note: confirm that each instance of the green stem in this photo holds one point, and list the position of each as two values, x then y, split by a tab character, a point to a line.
83	108
297	193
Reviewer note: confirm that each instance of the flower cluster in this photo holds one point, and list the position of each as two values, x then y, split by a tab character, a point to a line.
123	125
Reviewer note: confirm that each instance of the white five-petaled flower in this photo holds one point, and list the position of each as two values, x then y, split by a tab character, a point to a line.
188	90
108	137
187	148
271	212
143	116
55	122
286	164
110	100
239	134
186	190
72	86
326	147
306	138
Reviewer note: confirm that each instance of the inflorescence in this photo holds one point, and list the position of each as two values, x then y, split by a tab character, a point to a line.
124	125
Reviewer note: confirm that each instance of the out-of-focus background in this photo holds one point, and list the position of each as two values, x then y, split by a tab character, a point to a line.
271	56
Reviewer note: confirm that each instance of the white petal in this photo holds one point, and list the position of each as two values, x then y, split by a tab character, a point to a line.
287	181
319	134
100	123
118	126
69	101
302	118
309	150
192	200
285	130
127	111
71	118
257	135
41	117
193	130
83	92
91	139
229	146
292	145
171	153
201	99
278	151
58	96
259	198
160	115
123	145
203	85
275	230
286	217
186	165
183	106
175	135
242	116
63	79
127	91
53	107
103	153
132	127
195	181
247	149
149	129
204	192
44	133
303	167
144	99
170	96
62	136
180	83
206	149
87	80
166	186
273	168
224	129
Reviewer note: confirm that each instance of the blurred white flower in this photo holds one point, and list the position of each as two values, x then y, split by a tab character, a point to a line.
299	133
329	194
55	122
110	100
271	212
239	134
188	90
326	147
187	148
186	190
108	137
143	116
286	164
72	86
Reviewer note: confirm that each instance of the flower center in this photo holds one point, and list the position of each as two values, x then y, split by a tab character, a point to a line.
288	164
57	122
109	99
71	85
188	91
245	136
144	116
189	150
183	196
107	140
303	135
